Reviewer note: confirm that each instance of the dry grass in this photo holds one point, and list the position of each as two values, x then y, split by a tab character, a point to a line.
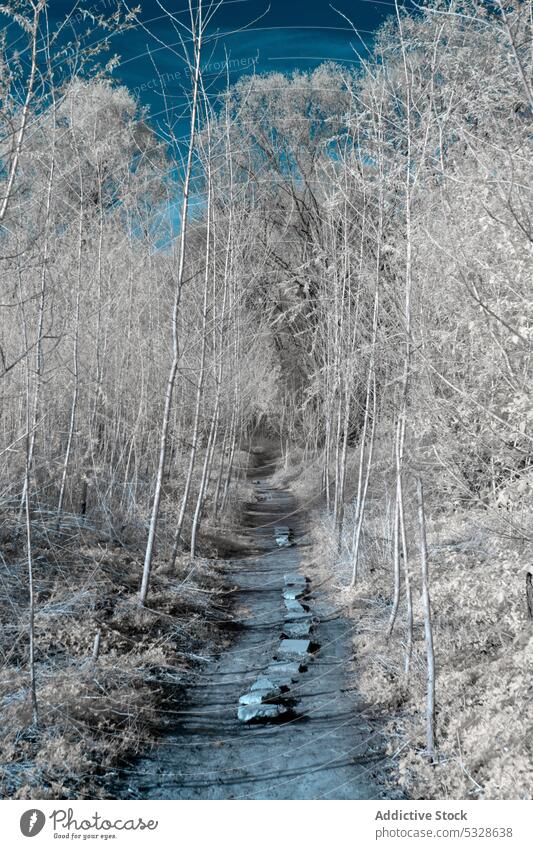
483	643
95	714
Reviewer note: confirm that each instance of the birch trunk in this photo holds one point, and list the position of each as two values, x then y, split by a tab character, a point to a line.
148	557
428	628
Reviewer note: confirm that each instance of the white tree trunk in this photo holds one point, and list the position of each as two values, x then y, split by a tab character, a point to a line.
148	557
428	629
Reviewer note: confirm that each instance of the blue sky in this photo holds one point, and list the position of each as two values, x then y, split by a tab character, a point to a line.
255	34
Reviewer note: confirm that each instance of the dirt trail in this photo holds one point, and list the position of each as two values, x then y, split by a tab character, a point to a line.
325	750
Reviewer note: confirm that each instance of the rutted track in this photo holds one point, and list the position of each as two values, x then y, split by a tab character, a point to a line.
321	748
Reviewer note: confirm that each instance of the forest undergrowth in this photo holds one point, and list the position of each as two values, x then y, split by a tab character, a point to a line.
337	257
483	641
110	673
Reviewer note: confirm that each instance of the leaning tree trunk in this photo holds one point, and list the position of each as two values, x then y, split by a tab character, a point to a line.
33	30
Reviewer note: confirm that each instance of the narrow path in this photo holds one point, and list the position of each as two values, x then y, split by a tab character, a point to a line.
321	748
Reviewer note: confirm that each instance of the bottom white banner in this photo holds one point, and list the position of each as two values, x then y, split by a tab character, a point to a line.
258	824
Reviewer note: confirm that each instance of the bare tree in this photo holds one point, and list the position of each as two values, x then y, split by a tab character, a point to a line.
428	629
197	27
